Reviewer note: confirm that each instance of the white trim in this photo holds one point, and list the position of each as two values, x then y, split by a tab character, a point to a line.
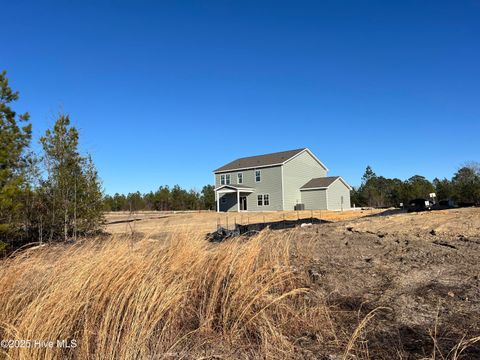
235	188
238	201
229	191
272	165
216	196
326	187
346	184
247	168
246	202
343	181
268	199
283	190
326	199
255	176
311	154
263	199
261	196
315	188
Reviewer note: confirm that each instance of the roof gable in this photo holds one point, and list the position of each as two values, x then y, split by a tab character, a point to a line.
265	160
323	183
306	150
235	187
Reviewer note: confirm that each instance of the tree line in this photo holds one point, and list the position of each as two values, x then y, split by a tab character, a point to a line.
165	198
379	191
57	194
46	196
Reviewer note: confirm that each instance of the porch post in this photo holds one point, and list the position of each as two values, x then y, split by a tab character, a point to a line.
238	200
218	201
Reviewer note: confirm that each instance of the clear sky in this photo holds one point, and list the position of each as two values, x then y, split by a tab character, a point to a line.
163	92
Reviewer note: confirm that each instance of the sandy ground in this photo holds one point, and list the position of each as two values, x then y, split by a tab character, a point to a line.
153	222
422	270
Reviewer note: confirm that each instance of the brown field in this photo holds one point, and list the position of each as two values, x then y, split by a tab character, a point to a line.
367	285
151	222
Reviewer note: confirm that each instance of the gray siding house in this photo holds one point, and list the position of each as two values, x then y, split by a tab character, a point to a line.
279	181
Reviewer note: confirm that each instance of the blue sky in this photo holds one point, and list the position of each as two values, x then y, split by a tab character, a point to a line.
163	92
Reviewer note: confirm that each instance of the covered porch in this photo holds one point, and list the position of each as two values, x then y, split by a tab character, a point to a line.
232	197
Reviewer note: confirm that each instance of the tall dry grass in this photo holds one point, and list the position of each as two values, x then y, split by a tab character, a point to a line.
179	297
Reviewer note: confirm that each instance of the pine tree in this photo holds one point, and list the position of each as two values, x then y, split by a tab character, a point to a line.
466	184
72	191
14	159
208	197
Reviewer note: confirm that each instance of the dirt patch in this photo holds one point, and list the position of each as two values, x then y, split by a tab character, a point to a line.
149	222
422	268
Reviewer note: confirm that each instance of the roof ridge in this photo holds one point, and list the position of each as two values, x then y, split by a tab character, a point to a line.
270	159
273	153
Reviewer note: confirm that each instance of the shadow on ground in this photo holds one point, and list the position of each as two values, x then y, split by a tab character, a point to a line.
250	229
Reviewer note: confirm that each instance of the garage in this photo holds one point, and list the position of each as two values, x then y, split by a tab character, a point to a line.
326	193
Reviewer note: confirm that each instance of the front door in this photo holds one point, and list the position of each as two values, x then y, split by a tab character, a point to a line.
243	203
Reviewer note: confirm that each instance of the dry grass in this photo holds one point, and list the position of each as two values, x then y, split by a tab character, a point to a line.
176	298
181	297
202	222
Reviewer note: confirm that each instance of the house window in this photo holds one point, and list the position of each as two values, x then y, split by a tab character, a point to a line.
240	178
223	199
222	179
227	179
263	200
258	175
266	200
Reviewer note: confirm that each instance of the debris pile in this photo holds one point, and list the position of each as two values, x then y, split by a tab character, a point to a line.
222	233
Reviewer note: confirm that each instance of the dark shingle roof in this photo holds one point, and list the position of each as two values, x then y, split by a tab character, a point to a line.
259	160
322	182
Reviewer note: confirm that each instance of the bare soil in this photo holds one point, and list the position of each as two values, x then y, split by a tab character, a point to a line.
421	271
422	268
156	222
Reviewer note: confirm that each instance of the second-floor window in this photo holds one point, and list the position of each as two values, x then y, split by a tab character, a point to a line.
258	176
240	178
225	179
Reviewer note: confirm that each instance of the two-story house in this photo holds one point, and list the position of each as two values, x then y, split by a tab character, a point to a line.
279	181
